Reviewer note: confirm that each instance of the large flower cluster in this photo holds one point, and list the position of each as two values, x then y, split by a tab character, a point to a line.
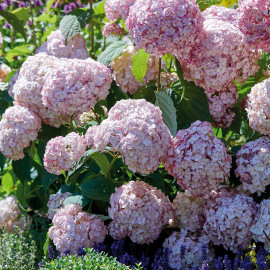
73	229
56	89
118	8
261	226
112	29
198	159
136	128
162	27
18	127
254	22
62	152
186	250
55	202
253	165
139	211
4	71
221	13
123	74
258	107
188	211
55	45
228	220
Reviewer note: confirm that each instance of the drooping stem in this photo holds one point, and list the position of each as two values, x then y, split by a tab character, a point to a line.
32	24
159	71
92	31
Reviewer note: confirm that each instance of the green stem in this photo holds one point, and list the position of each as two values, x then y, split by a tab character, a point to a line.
112	163
159	71
32	24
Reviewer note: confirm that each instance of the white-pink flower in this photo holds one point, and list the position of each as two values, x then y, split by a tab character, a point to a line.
62	152
198	159
221	13
136	129
165	26
18	128
139	211
118	8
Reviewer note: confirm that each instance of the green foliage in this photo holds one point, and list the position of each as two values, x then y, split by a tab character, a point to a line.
92	261
139	64
17	251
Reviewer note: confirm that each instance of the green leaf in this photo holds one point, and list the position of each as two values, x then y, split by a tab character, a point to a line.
9	181
111	52
166	105
33	153
17	24
99	8
147	92
49	4
45	246
102	162
79	199
139	64
74	22
22	13
245	88
3	61
48	18
98	189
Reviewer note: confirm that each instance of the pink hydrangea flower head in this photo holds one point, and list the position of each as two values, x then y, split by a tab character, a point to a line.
198	159
62	152
9	211
4	71
220	105
162	27
74	87
11	83
221	13
118	8
253	165
221	57
71	229
188	211
55	202
228	220
55	46
258	107
139	211
193	250
18	127
22	224
254	22
112	29
136	129
261	224
123	74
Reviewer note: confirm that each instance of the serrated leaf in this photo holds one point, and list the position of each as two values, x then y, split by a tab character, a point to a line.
139	64
166	105
102	162
22	13
79	199
111	52
14	21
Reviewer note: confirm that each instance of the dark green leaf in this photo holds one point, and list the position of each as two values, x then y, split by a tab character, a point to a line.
111	52
245	88
102	162
22	13
139	64
166	105
79	199
147	92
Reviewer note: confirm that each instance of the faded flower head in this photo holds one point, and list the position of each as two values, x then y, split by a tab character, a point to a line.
112	29
18	128
198	159
139	211
4	71
136	129
62	152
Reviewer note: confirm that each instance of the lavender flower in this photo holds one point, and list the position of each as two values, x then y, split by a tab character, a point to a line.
51	252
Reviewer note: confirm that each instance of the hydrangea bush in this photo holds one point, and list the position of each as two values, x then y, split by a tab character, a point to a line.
138	127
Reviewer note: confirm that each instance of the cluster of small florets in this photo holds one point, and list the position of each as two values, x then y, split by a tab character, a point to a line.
112	29
139	211
118	8
55	202
253	165
73	229
258	107
228	220
18	127
221	13
4	71
55	45
261	226
254	22
56	89
186	250
162	27
62	152
188	211
11	83
198	159
136	128
123	74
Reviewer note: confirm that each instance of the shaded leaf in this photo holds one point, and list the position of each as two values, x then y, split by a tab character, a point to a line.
79	199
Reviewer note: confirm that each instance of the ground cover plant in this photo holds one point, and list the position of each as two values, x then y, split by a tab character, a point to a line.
134	134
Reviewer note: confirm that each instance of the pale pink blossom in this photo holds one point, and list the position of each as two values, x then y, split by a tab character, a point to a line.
112	29
118	8
221	13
